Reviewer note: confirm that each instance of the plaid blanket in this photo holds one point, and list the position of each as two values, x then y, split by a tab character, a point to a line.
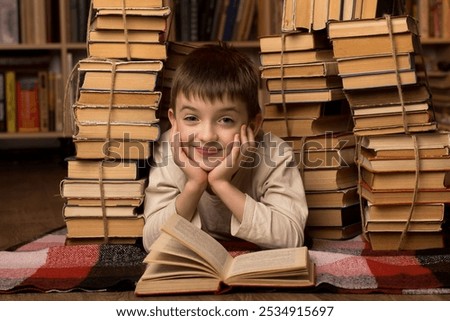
349	266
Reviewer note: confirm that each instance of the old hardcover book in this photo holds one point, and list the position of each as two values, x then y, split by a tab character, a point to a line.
90	188
334	216
405	196
369	27
117	50
375	45
84	227
294	41
333	198
381	79
383	96
398	119
118	131
390	109
115	149
110	169
411	241
304	83
334	232
97	211
127	114
330	178
396	142
402	164
374	64
307	127
313	69
404	180
326	158
136	19
329	140
185	259
123	98
295	57
127	75
297	15
401	213
119	36
119	4
296	96
397	129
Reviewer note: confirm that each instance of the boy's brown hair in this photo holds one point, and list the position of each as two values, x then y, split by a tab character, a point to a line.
211	72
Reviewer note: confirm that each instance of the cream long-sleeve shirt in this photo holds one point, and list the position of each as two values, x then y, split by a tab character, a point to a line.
275	208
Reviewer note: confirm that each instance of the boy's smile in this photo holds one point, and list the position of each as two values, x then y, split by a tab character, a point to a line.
206	128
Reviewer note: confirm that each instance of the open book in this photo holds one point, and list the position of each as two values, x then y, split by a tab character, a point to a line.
186	259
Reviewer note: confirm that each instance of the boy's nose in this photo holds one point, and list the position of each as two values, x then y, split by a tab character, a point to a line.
207	133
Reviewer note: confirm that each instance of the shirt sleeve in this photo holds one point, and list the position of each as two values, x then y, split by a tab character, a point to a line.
275	216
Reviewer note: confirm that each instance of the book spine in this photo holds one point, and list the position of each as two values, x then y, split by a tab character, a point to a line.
2	103
10	96
43	100
27	105
9	21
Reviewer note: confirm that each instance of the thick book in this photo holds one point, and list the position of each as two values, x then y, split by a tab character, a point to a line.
295	96
397	129
369	27
398	119
106	169
404	180
118	131
383	96
297	15
294	41
379	79
136	19
374	64
126	114
185	259
411	241
127	75
128	50
304	83
313	69
330	178
97	211
119	4
391	109
334	216
401	213
396	142
326	158
374	45
334	232
95	227
113	189
332	198
307	127
115	149
295	57
121	98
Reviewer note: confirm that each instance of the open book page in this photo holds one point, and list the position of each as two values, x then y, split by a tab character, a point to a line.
269	262
198	241
168	251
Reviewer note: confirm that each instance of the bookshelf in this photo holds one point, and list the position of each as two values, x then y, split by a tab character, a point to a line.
44	41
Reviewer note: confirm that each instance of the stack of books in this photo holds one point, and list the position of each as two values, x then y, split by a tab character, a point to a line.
115	119
330	177
382	53
401	155
306	106
405	180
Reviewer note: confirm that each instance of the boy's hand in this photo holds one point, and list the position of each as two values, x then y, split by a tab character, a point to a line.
193	172
244	143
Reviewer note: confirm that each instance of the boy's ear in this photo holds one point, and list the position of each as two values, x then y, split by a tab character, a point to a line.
256	123
171	115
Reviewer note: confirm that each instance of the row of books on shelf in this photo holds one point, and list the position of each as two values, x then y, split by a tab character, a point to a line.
434	17
31	102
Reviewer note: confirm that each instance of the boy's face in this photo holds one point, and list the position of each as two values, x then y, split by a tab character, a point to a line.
207	129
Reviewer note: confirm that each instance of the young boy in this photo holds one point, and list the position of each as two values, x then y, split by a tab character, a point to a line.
212	169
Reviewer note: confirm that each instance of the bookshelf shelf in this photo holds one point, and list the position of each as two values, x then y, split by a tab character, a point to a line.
53	49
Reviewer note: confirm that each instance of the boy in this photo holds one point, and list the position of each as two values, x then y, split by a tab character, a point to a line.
211	167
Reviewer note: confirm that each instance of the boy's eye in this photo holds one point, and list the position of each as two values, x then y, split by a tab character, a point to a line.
190	118
226	120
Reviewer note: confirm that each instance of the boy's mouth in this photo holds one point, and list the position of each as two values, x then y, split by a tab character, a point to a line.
208	150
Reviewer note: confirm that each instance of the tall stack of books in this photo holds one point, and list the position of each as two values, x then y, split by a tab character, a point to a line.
115	119
401	156
307	107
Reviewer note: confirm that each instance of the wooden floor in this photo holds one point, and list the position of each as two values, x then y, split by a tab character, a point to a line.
31	206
